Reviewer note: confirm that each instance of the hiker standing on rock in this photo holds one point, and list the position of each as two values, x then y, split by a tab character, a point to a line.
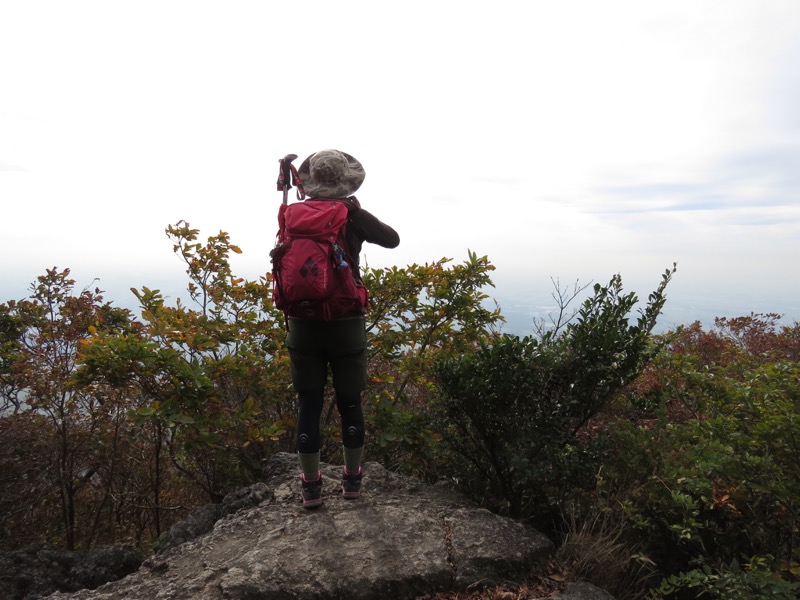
318	286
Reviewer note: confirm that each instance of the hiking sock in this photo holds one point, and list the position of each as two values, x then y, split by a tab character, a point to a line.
352	459
309	463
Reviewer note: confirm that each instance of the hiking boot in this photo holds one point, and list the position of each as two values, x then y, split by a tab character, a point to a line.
311	491
351	483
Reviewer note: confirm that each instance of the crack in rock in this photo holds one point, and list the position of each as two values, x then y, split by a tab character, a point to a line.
448	542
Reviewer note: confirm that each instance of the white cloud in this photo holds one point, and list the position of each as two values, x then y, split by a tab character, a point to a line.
567	139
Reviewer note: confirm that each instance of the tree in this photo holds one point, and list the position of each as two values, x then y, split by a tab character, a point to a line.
215	376
59	435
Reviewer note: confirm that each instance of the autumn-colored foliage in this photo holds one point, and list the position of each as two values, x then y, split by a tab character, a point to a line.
704	460
112	427
61	443
666	463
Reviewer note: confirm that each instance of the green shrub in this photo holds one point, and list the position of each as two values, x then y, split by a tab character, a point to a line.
511	412
721	486
728	582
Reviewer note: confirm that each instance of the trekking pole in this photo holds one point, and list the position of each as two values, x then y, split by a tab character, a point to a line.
285	175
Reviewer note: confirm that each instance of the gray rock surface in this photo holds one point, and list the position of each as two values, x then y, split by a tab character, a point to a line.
402	539
203	519
582	591
40	569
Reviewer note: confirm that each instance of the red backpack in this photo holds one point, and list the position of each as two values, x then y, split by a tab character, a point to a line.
311	263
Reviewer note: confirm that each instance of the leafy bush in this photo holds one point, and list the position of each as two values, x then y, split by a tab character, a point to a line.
512	410
418	312
727	582
711	479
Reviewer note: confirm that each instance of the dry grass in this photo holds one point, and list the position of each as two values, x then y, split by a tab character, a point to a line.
596	549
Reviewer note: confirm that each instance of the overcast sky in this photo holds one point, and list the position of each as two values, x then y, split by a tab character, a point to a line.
565	140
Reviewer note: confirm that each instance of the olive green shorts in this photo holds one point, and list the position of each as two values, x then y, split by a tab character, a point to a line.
341	343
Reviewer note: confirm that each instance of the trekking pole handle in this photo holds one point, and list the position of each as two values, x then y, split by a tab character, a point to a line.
286	174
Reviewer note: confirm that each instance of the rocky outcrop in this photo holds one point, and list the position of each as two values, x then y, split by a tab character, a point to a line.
203	519
402	539
40	569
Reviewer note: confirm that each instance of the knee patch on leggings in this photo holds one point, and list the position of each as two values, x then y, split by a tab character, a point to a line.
352	420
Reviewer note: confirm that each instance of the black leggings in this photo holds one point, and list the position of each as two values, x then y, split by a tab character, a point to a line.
310	412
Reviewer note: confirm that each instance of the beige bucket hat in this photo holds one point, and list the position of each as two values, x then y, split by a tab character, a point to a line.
331	174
